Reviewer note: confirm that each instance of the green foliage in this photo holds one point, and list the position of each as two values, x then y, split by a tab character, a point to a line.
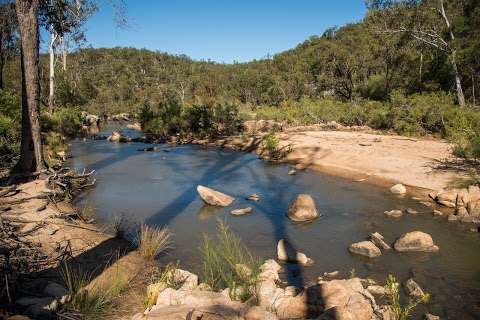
65	121
271	142
401	312
229	264
10	121
171	118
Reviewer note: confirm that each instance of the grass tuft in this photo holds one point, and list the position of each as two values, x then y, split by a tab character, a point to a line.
119	226
229	264
91	300
152	241
87	212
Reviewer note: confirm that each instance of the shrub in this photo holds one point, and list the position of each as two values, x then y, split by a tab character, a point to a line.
65	121
271	143
152	241
401	312
228	264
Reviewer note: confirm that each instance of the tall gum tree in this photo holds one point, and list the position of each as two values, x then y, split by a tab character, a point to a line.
31	153
64	20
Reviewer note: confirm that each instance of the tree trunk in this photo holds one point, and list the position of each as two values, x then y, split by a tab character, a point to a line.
51	79
64	53
458	83
31	153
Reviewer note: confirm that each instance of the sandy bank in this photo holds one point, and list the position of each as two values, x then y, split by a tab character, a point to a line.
373	157
360	156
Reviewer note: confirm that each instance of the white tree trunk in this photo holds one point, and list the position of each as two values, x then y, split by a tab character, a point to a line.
64	53
51	54
458	83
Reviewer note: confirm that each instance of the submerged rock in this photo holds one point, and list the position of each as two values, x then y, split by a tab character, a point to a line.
253	197
429	316
394	213
286	252
365	248
398	189
302	209
415	241
411	211
213	197
241	212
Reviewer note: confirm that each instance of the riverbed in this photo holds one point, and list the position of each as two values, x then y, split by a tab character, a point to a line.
159	188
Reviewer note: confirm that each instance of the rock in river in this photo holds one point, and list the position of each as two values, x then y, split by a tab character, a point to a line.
394	213
302	208
413	289
114	137
398	189
365	248
347	299
241	212
379	241
286	252
214	198
415	241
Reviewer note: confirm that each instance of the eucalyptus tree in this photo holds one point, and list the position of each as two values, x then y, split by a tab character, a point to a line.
64	20
426	21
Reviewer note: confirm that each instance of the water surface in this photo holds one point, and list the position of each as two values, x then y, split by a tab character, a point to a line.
159	189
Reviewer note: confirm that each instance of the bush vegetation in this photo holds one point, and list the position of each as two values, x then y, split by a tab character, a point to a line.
399	311
203	120
10	123
227	263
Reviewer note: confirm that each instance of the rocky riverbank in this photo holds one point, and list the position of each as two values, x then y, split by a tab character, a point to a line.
331	298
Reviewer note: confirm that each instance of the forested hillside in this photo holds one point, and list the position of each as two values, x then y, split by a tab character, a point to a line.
365	60
405	67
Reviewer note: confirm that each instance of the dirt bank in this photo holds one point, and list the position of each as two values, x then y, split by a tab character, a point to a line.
42	236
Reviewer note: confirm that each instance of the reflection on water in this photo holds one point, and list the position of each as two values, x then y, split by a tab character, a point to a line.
160	188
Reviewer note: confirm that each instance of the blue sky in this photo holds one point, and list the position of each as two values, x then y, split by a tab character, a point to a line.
223	31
